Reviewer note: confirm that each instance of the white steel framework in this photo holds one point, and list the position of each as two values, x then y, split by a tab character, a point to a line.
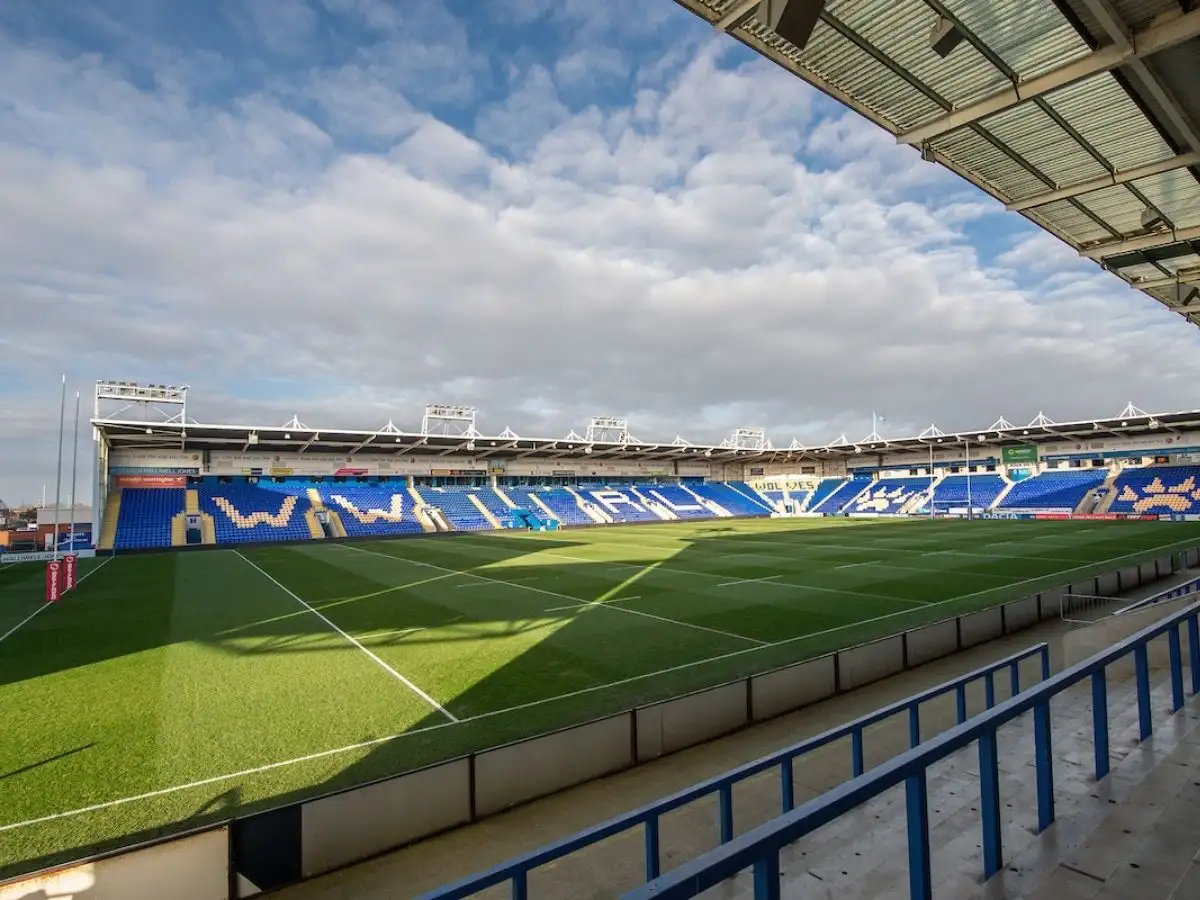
152	403
453	421
608	430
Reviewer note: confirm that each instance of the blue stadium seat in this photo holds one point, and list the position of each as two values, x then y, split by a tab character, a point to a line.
1157	490
677	500
377	510
145	517
248	513
842	494
455	504
952	491
825	487
887	496
621	502
1058	490
560	501
735	496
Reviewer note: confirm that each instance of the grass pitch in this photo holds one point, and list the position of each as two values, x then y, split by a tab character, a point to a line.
175	689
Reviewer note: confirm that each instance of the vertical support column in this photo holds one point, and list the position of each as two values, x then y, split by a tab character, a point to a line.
787	785
1044	754
766	877
920	875
914	725
1100	722
652	854
726	812
989	789
960	703
1014	679
1193	623
989	689
1176	661
1141	663
856	752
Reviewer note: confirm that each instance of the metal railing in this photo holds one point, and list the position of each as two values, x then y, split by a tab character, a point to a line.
516	871
759	848
1174	593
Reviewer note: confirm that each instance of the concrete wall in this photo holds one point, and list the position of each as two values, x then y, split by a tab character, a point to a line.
985	625
693	719
870	662
195	867
775	693
519	772
1020	614
932	642
385	815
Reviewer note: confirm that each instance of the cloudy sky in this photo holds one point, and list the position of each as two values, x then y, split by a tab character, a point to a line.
545	208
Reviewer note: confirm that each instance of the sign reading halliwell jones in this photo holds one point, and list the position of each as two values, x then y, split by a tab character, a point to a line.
1027	453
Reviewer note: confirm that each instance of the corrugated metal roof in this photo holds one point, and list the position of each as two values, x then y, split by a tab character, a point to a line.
1081	116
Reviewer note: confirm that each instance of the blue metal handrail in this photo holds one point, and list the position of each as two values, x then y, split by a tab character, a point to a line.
759	848
516	871
1171	593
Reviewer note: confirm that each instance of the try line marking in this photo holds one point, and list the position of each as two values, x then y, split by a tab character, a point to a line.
86	575
374	742
379	662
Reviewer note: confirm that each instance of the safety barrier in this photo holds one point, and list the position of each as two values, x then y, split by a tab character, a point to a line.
759	848
1180	590
516	872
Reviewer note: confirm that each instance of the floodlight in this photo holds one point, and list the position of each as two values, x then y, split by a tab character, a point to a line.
792	20
944	37
1153	220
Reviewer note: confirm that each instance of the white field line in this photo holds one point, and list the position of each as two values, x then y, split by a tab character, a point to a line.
576	605
672	570
379	662
880	564
535	703
747	580
29	618
592	603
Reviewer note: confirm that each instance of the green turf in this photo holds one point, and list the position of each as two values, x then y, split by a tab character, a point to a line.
167	675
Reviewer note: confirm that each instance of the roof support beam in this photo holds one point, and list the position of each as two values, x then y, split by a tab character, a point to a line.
1143	242
1182	161
1180	278
1140	45
736	13
1110	20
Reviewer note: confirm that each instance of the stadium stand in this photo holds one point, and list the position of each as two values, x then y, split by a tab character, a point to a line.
145	517
456	505
776	497
559	501
1157	489
889	496
678	501
843	492
367	510
736	497
952	491
246	513
621	503
825	487
1057	490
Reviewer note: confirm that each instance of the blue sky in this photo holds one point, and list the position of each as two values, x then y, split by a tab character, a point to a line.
344	209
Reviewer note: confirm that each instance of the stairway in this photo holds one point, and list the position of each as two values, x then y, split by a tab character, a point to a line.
654	506
112	511
485	512
1009	485
711	505
1111	495
593	512
504	498
421	510
1140	824
546	510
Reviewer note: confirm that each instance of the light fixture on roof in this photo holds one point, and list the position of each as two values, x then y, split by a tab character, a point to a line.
1153	220
1154	423
944	37
792	20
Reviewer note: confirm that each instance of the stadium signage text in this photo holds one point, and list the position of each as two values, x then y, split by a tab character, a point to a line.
151	481
1024	454
46	556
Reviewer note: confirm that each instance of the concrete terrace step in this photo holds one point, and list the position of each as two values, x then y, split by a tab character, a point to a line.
1105	838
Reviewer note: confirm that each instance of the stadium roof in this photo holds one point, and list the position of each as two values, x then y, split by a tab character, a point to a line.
297	438
1081	115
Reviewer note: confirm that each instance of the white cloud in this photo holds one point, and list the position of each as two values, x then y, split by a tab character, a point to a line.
330	244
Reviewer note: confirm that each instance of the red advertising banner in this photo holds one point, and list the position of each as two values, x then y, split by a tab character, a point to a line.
53	582
70	564
150	481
